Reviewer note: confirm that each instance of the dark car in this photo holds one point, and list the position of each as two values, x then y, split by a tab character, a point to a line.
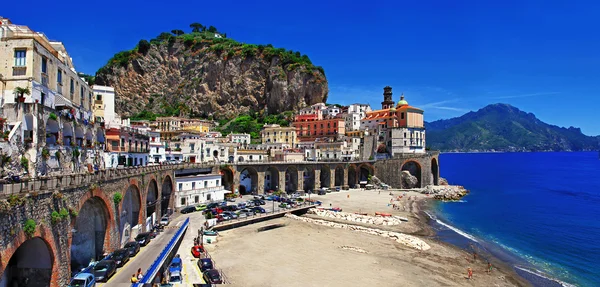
212	276
143	238
104	270
258	209
213	205
205	264
133	247
120	257
230	208
188	209
258	202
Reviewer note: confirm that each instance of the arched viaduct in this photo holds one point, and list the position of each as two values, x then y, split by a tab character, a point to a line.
52	226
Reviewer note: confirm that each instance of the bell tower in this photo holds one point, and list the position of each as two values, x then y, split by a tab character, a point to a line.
387	103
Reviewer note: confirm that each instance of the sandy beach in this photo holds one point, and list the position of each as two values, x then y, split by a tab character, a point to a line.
308	254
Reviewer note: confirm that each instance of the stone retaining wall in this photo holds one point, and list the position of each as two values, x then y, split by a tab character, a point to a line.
376	220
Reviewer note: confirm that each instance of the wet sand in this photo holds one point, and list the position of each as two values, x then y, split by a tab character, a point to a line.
306	254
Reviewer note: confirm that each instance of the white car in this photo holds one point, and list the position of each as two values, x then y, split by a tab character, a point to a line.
164	220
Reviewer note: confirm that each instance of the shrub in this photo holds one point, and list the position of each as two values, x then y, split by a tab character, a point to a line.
117	198
76	153
57	155
143	46
52	116
29	227
15	200
45	153
73	212
24	163
63	213
55	217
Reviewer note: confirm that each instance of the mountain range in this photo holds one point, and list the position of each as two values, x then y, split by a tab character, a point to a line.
502	127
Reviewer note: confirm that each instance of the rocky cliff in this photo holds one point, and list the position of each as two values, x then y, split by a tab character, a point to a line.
211	76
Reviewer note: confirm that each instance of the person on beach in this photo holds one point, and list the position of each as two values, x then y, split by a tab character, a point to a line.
139	274
489	269
134	278
469	273
474	256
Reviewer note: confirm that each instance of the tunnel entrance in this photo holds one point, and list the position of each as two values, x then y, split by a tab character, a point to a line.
339	176
271	179
129	214
166	191
151	205
248	181
227	178
30	265
414	169
325	177
291	179
366	172
309	179
352	177
89	233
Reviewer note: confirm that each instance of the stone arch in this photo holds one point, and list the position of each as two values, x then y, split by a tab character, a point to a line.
325	176
352	176
291	179
240	158
79	136
215	153
339	176
435	171
152	204
271	178
33	263
227	178
67	131
248	181
166	195
309	179
129	213
365	170
91	229
52	129
413	168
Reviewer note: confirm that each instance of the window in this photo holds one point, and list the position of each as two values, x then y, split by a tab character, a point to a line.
193	185
180	186
98	97
218	182
59	77
405	135
196	198
402	115
72	89
44	65
20	58
205	184
192	146
81	92
208	197
183	201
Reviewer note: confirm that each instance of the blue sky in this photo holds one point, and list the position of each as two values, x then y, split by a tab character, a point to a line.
448	57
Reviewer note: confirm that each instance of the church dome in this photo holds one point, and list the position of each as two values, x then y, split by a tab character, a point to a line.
393	110
402	102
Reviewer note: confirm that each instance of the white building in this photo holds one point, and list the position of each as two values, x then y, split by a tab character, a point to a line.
104	96
331	111
356	112
157	148
193	189
240	139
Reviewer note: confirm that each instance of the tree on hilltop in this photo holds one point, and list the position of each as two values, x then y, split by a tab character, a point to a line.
177	32
164	36
197	27
143	46
212	29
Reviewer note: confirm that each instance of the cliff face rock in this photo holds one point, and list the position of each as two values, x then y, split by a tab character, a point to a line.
208	81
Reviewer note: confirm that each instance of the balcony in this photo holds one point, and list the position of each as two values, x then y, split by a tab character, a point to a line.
19	71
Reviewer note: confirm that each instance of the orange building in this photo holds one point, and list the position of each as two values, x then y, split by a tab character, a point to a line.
309	130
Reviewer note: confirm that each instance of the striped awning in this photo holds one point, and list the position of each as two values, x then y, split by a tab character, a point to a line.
61	101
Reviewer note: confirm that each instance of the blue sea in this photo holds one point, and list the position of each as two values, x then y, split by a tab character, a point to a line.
538	211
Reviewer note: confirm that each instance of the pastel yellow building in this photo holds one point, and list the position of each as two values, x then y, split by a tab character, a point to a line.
277	134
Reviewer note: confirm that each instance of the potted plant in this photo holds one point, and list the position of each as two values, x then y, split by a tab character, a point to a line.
20	93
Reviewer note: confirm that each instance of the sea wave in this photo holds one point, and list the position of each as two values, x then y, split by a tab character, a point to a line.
458	231
543	275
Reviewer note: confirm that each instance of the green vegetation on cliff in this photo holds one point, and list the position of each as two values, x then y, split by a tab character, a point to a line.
210	39
252	123
502	127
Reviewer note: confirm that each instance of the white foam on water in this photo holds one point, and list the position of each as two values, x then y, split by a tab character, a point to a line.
464	234
543	275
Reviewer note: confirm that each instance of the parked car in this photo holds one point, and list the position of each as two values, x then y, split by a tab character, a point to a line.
201	207
212	276
247	212
241	205
120	257
164	220
133	247
104	269
197	250
89	280
175	277
261	197
230	208
322	192
205	264
143	238
188	209
213	205
223	217
258	202
258	209
230	199
230	214
210	233
176	265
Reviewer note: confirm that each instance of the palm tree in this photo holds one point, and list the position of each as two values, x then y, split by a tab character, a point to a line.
21	92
